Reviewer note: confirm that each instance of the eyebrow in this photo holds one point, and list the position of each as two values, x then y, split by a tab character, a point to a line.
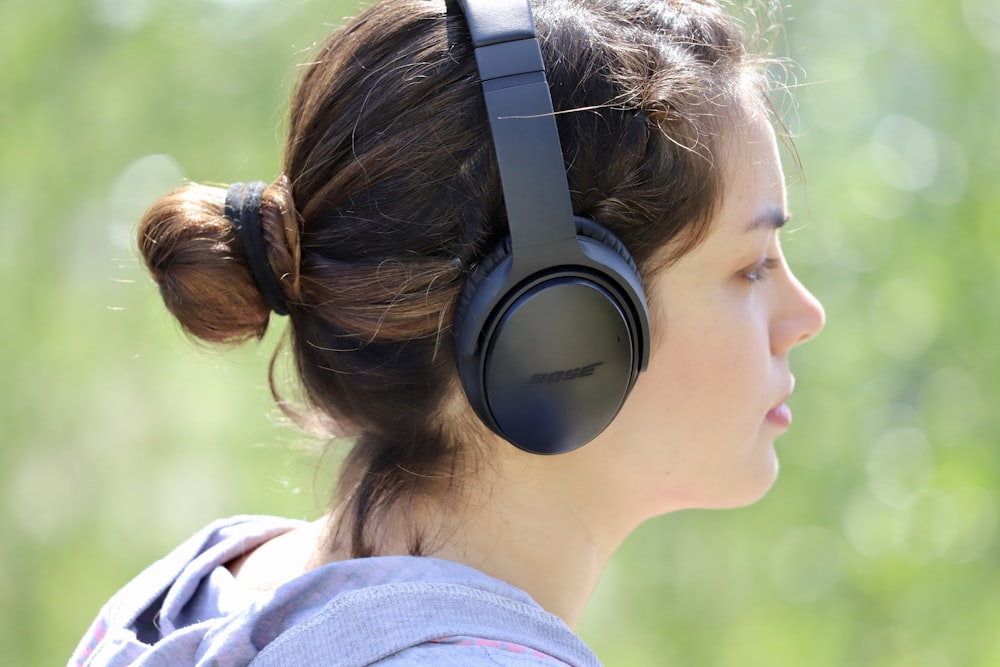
773	219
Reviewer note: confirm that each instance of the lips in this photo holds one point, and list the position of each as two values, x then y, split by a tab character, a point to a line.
780	415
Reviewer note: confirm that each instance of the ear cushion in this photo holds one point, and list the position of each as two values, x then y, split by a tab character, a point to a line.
479	274
590	229
584	227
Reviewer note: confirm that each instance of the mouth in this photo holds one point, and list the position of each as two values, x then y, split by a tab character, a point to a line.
781	415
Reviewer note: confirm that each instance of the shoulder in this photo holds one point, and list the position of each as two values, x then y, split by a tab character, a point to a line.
472	652
159	601
402	611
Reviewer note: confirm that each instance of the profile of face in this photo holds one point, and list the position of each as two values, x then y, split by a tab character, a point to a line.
698	429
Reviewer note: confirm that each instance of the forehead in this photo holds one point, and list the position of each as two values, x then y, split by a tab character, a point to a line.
752	198
751	166
753	195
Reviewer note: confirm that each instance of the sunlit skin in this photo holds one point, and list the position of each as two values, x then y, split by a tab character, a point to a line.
698	429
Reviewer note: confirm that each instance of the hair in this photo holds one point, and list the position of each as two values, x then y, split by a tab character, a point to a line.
389	193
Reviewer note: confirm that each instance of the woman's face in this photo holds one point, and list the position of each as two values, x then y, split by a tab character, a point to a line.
698	429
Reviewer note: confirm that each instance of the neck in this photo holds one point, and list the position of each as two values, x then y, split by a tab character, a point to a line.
526	520
541	545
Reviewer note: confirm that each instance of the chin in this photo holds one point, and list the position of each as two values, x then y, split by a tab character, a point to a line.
743	485
758	487
747	485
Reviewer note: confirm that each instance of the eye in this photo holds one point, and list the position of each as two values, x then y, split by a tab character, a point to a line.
760	270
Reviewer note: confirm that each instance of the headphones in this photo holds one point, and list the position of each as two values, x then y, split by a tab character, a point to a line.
552	328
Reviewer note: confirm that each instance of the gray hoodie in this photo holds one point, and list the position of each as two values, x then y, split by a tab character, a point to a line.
188	610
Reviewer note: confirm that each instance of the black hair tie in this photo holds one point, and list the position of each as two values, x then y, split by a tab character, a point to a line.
243	202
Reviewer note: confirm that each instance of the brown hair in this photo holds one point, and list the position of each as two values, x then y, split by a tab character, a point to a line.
389	192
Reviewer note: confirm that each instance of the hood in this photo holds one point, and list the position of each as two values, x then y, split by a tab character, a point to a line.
188	610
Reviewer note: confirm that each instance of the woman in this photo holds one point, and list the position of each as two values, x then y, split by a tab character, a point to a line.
438	318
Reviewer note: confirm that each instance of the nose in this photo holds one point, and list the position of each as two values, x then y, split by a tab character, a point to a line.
801	317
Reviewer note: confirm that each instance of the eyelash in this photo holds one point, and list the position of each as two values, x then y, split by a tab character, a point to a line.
761	270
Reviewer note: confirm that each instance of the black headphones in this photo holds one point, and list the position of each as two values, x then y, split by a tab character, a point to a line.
552	329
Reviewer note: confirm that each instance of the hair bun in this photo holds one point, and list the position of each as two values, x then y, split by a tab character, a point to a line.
192	251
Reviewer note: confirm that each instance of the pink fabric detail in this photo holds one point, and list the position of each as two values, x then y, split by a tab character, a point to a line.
95	635
494	644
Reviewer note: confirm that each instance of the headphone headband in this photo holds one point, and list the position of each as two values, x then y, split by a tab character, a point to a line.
523	125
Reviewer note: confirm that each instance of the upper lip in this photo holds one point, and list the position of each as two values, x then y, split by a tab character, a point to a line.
788	394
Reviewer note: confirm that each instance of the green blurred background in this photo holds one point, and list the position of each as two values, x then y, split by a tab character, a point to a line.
879	544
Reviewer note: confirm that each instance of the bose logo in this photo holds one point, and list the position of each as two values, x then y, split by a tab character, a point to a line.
569	374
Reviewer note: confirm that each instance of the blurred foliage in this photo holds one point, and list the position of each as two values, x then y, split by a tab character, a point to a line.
878	546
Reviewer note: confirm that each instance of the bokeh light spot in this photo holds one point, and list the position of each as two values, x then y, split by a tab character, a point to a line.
983	20
870	526
125	15
900	466
976	512
955	405
931	527
952	178
870	193
905	318
805	564
904	152
135	188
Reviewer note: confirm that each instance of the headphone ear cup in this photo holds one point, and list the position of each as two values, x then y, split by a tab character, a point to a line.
555	355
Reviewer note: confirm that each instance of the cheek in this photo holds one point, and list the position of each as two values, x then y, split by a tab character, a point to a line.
696	386
690	433
706	393
715	361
